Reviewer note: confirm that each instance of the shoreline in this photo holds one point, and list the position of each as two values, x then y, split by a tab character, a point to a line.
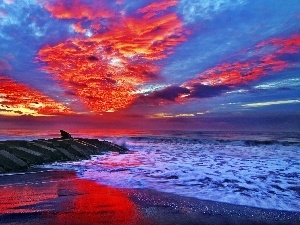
191	210
43	196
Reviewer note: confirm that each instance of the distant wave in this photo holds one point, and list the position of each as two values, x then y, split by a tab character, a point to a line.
284	143
291	142
249	137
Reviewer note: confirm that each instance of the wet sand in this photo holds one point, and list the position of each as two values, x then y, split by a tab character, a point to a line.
60	197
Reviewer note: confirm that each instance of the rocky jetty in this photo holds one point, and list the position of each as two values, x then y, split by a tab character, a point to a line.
19	155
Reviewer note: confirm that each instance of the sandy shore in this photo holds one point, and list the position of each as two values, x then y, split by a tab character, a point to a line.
60	197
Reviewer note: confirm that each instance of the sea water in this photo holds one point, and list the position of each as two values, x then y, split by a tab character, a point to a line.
243	168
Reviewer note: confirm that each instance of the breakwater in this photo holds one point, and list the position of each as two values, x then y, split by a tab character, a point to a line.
19	155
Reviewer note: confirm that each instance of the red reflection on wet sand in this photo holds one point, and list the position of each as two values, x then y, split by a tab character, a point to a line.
62	198
96	204
14	199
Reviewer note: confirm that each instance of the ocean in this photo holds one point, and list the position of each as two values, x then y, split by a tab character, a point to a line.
257	169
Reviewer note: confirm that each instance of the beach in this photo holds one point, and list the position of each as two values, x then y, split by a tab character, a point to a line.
164	178
257	170
61	197
149	112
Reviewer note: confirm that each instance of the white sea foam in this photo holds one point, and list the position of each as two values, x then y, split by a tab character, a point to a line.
253	173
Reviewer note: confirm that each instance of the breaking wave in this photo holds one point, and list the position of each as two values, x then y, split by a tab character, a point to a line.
261	172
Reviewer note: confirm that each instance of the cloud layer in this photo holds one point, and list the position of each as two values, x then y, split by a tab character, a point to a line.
18	99
105	67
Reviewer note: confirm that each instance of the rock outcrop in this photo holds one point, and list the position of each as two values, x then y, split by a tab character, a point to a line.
19	155
65	134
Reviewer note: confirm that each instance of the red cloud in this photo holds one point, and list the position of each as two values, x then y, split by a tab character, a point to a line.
78	28
150	39
105	69
16	98
259	65
156	7
288	46
78	10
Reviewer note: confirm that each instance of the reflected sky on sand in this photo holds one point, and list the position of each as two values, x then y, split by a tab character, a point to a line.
62	198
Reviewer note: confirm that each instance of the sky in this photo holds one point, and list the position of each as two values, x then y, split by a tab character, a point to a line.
150	64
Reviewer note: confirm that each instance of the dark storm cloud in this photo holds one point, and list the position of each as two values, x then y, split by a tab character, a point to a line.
169	93
172	93
206	91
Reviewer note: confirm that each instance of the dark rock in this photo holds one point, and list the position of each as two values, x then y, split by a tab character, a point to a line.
10	162
17	155
65	135
67	155
78	151
26	154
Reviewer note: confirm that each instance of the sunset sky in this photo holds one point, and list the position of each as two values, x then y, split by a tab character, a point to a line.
150	64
